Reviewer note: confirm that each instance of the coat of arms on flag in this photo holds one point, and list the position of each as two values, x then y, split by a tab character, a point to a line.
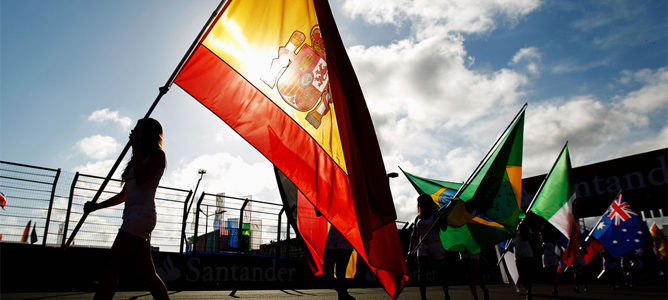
278	74
301	72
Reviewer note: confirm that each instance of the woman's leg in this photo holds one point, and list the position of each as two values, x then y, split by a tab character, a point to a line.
342	259
474	270
443	276
147	269
119	254
423	262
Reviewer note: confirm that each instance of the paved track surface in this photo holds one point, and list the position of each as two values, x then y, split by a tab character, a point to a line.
497	292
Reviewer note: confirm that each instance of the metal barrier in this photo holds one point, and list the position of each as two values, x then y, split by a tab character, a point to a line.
101	226
238	224
35	188
37	201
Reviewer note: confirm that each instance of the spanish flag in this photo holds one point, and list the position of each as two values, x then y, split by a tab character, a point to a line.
278	74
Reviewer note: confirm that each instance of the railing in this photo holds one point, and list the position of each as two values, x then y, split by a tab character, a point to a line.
52	202
101	226
215	223
33	189
225	224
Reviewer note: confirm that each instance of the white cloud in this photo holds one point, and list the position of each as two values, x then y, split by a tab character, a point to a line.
527	58
226	173
599	129
650	143
451	16
570	66
99	168
103	115
97	146
432	87
652	96
425	99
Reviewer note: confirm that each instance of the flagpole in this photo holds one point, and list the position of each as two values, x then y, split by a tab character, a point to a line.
599	220
505	250
468	181
486	157
161	92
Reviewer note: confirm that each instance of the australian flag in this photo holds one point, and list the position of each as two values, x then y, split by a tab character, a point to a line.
620	230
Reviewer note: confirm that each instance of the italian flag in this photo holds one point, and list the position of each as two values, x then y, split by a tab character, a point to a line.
554	203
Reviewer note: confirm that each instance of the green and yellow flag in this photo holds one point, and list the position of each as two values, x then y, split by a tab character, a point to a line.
440	191
485	210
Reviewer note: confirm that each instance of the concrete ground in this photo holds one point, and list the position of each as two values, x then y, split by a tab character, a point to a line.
496	292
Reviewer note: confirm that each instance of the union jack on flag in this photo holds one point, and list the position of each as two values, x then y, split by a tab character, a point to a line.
620	230
619	210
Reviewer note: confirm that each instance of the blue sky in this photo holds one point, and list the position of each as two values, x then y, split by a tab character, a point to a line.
441	78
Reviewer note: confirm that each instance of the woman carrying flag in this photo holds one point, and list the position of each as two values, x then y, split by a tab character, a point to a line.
141	177
430	252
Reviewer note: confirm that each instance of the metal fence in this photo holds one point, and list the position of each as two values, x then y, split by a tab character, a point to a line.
33	190
38	200
239	224
101	226
50	204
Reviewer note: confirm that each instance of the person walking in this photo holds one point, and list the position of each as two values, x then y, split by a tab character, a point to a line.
140	182
336	258
524	257
430	252
551	258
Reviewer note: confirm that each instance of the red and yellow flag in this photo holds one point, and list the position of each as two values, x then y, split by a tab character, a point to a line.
278	74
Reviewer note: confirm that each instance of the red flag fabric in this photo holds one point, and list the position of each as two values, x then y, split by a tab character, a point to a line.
593	247
278	74
3	201
313	229
26	231
573	248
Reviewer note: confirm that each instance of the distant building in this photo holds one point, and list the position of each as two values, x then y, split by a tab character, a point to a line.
643	179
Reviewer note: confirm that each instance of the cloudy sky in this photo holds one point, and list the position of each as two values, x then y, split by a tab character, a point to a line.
442	79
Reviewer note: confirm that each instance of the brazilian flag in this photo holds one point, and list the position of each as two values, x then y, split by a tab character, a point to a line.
441	192
485	209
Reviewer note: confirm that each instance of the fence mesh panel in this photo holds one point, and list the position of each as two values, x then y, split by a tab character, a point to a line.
219	223
28	193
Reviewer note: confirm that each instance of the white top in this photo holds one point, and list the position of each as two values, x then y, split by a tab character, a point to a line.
139	215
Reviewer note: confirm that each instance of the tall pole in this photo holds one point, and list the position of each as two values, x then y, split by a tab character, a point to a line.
188	205
201	173
161	92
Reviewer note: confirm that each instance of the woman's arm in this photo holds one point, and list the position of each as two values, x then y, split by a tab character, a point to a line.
115	200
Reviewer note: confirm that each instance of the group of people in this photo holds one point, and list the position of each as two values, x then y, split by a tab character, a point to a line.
537	255
431	256
142	175
531	254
